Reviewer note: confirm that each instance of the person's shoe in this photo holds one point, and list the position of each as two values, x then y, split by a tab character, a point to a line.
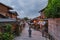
30	36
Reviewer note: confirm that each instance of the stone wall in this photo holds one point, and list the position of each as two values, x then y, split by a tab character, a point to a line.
54	28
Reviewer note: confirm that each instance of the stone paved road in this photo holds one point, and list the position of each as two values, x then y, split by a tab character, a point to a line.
36	35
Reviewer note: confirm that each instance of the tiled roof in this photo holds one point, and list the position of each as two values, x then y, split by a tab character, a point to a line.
7	20
13	12
42	9
6	5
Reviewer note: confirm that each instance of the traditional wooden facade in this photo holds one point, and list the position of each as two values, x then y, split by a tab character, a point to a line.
4	9
42	16
13	14
8	17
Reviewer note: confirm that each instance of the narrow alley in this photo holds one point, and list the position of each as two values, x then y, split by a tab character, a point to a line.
36	35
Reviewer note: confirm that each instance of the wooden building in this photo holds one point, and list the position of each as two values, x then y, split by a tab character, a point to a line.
13	14
42	15
4	9
8	17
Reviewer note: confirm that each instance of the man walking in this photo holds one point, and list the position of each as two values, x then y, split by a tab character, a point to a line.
29	31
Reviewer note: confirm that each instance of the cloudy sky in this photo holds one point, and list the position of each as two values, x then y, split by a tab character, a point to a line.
26	8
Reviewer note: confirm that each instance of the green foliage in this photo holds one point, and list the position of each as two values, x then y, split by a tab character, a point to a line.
53	9
7	35
1	36
8	28
26	18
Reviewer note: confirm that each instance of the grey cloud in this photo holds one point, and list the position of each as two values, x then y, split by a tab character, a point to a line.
30	8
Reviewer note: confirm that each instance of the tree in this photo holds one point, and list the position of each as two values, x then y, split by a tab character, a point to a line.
53	9
26	18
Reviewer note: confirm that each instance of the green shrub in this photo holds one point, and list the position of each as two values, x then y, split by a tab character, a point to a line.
7	35
8	28
1	36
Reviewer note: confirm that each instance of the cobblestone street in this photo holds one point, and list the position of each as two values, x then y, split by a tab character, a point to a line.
36	35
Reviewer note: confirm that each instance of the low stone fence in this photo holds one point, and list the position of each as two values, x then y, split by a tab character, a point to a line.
54	28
